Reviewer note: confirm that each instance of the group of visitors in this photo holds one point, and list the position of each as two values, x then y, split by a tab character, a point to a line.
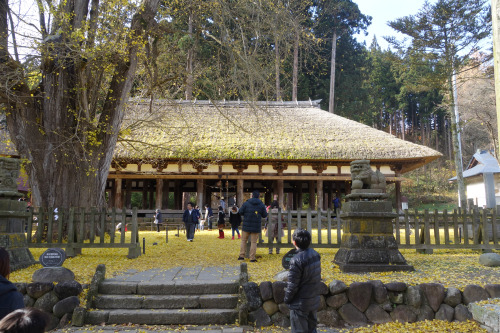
14	317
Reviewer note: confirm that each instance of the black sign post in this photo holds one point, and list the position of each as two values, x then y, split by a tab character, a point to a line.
285	262
53	257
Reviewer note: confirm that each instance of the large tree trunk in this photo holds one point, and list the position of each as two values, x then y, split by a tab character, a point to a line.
277	67
295	70
67	126
190	61
331	100
495	19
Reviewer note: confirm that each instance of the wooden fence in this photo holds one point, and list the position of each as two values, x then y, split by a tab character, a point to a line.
420	230
79	228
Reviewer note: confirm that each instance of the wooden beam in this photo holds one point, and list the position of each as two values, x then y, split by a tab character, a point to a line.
312	195
118	193
239	192
281	194
319	191
199	193
159	193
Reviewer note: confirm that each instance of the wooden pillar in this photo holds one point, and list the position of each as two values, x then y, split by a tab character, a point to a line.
118	193
145	185
159	193
165	194
312	195
319	191
330	195
200	192
398	196
281	194
239	192
151	204
300	200
185	199
128	194
177	194
289	200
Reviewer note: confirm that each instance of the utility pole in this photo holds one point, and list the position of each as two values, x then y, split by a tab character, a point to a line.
495	18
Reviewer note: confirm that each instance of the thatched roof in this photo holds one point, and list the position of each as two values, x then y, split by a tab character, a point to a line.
258	131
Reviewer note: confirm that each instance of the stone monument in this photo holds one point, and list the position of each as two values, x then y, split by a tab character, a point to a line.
368	243
13	216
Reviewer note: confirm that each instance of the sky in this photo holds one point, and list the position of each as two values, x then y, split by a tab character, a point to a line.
383	11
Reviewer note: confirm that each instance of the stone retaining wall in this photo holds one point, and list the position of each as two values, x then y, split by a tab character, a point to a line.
364	303
58	300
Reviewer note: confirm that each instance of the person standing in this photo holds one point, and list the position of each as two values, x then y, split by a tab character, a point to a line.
221	222
272	226
304	280
208	216
10	298
158	220
336	204
190	219
235	220
253	211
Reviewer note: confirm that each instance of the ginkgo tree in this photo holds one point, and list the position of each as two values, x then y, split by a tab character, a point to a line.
64	107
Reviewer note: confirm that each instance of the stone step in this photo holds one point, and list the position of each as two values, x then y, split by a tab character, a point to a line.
162	316
169	287
211	301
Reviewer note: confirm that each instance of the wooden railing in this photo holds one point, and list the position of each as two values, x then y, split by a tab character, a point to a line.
78	228
420	230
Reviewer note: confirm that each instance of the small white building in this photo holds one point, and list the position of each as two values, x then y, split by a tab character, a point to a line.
482	179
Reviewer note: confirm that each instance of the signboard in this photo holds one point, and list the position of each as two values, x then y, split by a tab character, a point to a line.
53	257
285	262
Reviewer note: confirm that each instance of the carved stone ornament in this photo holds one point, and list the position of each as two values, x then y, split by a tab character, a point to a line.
9	172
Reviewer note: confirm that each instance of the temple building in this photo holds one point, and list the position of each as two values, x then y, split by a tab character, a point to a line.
292	150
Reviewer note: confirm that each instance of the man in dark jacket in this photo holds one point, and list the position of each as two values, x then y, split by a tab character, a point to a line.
304	280
10	298
253	211
190	219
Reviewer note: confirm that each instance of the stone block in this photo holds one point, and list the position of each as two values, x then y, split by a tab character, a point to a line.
270	307
352	315
46	302
66	305
379	291
396	286
38	289
404	314
360	294
53	274
490	259
462	313
280	320
260	318
329	317
453	297
413	296
279	291
492	289
474	293
78	318
284	309
266	290
396	297
445	312
425	313
68	289
252	293
377	315
337	287
336	301
434	293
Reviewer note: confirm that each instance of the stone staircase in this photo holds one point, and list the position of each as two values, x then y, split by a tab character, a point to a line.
180	296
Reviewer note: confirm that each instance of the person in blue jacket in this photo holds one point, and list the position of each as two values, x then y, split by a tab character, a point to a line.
10	298
190	219
253	211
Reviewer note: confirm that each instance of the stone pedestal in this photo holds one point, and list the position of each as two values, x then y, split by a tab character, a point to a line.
13	216
368	243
